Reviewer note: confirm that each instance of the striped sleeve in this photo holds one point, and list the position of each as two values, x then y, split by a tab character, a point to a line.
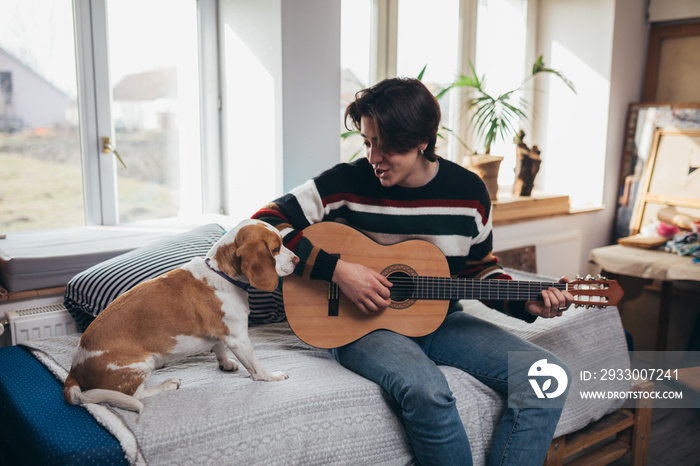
290	214
481	263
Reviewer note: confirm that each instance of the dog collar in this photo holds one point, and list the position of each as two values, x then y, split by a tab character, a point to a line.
242	285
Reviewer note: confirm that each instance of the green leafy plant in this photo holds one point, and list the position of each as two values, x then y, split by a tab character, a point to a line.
495	117
348	134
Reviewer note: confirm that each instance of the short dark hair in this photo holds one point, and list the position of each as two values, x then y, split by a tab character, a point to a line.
405	111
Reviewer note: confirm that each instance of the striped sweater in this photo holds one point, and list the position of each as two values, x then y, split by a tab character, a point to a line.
452	211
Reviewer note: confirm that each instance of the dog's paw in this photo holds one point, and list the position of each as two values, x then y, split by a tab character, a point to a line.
172	384
277	376
228	365
265	376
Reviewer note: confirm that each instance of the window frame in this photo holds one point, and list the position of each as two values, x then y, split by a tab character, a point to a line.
99	169
384	46
384	49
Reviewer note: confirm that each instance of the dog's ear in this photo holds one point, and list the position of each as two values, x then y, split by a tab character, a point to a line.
258	265
226	260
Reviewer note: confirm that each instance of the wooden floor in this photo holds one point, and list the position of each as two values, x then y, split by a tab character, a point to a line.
674	439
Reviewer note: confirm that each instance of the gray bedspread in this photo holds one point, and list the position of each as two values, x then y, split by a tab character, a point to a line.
325	414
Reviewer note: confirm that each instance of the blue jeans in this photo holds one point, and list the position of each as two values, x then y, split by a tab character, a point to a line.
407	368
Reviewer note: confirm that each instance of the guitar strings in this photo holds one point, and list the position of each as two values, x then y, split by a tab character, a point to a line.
447	286
461	282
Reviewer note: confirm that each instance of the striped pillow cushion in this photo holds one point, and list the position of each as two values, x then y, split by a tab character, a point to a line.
88	293
265	307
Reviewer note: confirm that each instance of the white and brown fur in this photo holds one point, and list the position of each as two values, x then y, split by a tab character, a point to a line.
187	311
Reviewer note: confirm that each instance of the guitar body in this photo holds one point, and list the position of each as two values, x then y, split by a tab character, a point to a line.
322	317
422	288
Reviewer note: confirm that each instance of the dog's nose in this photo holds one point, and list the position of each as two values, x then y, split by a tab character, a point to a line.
295	260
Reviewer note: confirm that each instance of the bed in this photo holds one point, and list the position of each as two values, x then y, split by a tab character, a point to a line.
323	414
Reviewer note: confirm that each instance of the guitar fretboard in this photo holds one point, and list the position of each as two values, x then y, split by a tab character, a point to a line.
444	288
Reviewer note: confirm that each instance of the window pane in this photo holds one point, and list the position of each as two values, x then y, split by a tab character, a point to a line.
500	56
428	35
40	165
155	108
355	55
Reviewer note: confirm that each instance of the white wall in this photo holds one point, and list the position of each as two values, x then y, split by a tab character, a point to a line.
575	36
251	53
673	10
607	43
311	88
281	88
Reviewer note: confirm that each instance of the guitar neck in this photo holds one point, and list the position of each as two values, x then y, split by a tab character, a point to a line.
442	288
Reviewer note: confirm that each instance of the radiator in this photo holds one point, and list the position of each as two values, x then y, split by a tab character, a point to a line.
40	322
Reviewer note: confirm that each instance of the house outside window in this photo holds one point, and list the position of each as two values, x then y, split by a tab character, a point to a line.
5	90
40	158
136	93
153	64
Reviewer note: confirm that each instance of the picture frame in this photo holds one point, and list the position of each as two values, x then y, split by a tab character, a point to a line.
642	120
672	176
668	70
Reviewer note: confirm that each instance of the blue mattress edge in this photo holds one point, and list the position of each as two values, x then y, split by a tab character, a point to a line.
38	426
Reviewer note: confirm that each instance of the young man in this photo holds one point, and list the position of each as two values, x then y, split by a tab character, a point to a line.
402	190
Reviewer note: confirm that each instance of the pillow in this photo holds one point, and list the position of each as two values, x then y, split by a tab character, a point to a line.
88	293
265	307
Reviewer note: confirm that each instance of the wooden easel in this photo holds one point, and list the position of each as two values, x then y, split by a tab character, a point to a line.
662	183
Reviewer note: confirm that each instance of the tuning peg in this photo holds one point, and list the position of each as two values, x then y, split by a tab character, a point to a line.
579	277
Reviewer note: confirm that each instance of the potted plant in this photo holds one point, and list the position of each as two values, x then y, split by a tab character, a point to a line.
497	117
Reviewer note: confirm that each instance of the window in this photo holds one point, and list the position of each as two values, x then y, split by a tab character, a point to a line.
409	34
501	55
137	94
40	158
355	73
155	107
429	37
377	42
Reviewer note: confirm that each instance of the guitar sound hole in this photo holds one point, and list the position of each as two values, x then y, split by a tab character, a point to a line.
403	286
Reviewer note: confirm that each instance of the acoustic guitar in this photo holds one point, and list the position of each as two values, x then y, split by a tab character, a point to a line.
321	316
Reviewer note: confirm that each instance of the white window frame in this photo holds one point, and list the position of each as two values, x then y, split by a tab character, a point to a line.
94	105
384	44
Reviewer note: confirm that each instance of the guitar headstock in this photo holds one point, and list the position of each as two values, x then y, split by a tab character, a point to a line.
595	291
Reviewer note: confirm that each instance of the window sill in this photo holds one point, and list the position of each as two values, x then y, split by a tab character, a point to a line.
47	259
509	209
7	297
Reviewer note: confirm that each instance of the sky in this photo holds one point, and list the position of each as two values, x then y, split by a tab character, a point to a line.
427	35
40	33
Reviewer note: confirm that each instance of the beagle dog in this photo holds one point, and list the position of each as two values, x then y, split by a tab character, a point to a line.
200	306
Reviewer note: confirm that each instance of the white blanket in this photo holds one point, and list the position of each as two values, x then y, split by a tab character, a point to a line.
325	414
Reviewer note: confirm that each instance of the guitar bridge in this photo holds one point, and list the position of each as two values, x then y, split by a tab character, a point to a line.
333	299
333	296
